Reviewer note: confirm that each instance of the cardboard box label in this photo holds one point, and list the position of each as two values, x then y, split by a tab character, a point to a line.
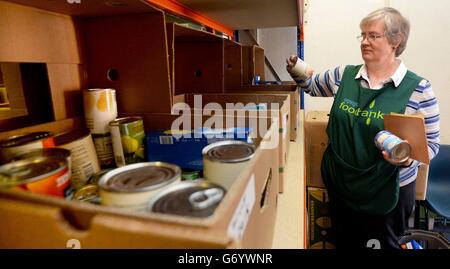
243	211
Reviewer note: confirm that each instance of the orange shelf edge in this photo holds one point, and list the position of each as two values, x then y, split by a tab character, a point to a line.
180	9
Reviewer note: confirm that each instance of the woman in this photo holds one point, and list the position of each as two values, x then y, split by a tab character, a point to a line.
371	195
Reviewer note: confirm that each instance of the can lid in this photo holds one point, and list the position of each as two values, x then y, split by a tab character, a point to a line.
140	177
44	152
197	198
229	151
22	139
99	89
401	152
68	137
30	170
86	193
124	120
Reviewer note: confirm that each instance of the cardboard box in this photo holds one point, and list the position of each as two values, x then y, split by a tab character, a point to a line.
126	48
284	88
319	221
245	218
253	63
221	100
316	141
186	151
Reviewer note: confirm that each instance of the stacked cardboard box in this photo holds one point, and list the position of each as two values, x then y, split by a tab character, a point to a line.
131	48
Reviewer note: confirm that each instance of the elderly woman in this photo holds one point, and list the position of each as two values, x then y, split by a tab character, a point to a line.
371	194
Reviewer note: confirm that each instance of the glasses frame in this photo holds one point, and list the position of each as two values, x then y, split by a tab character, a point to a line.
371	37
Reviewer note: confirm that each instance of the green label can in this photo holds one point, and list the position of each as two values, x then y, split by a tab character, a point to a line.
128	140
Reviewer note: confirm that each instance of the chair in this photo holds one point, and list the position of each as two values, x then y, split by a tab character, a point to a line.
438	190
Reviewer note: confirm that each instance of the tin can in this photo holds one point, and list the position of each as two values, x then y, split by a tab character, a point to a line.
197	199
84	158
95	178
87	194
100	107
398	149
132	186
128	140
104	150
223	161
44	175
15	145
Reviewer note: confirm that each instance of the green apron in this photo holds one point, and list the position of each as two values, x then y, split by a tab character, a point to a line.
353	168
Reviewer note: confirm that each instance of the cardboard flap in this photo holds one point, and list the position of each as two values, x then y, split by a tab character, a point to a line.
411	128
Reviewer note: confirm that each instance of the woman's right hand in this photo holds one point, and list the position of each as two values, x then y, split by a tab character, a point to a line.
298	69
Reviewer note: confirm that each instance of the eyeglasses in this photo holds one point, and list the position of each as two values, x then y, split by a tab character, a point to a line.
370	37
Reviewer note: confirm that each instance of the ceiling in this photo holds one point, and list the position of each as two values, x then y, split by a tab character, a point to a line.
248	14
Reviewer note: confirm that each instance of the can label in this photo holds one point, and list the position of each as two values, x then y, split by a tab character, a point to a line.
128	141
103	147
55	184
84	160
100	108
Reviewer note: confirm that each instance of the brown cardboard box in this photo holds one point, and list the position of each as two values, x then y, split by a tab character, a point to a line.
82	46
316	141
222	100
245	218
253	62
286	88
319	221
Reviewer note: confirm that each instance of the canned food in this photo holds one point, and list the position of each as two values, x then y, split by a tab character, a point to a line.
197	199
88	194
223	161
15	145
84	158
45	175
128	140
133	185
104	149
95	178
100	108
398	149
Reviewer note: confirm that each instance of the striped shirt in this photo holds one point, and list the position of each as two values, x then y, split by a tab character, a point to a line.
422	102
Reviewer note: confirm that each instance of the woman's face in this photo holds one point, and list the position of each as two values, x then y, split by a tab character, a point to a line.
375	47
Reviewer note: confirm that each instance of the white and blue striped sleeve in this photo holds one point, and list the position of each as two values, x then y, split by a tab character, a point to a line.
324	84
423	102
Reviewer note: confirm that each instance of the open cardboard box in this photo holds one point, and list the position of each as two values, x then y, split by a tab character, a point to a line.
123	47
253	62
286	88
245	217
282	113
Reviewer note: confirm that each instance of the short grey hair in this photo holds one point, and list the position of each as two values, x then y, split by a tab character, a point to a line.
396	26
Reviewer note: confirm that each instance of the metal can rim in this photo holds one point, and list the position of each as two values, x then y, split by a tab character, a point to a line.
35	178
102	183
5	144
224	143
65	152
81	134
121	120
180	186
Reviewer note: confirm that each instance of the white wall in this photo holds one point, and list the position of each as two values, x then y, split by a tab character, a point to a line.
331	28
278	44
